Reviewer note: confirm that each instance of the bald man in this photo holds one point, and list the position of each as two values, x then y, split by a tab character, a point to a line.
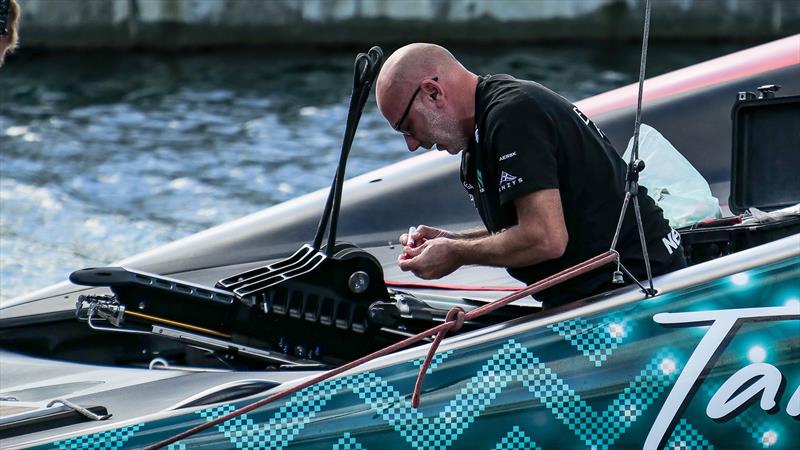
547	183
9	21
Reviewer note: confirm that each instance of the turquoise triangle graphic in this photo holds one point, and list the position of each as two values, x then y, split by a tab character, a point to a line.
685	437
107	440
516	439
512	363
212	413
595	340
347	442
435	361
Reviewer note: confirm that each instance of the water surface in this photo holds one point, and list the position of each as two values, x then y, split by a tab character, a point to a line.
104	155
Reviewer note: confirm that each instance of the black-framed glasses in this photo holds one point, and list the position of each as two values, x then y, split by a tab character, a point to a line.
408	108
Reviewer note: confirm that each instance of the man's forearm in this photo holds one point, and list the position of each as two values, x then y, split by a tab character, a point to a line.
475	233
515	247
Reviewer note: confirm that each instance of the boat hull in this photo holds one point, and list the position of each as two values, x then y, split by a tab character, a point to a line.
614	372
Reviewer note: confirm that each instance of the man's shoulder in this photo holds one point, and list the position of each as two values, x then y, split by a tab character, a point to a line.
507	96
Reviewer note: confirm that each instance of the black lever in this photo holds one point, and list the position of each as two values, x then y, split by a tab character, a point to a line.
367	67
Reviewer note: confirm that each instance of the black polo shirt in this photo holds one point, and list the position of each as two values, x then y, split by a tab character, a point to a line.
528	138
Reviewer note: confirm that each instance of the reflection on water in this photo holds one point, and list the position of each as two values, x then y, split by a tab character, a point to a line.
106	155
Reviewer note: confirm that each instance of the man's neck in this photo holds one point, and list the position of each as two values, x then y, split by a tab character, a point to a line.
468	105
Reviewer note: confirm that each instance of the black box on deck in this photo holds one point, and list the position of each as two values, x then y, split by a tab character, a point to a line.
703	244
766	154
765	174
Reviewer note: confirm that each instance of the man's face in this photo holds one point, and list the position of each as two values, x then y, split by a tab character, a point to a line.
443	130
427	123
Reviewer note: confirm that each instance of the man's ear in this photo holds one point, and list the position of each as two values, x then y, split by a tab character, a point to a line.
431	89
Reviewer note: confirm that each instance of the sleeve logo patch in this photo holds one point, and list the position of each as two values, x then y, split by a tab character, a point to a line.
507	181
506	177
508	155
588	122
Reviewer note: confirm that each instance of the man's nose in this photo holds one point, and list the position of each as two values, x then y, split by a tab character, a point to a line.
412	143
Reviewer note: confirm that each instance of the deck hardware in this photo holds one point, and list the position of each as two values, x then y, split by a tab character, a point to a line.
358	282
79	409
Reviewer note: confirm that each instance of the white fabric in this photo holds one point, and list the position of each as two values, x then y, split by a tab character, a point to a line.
672	181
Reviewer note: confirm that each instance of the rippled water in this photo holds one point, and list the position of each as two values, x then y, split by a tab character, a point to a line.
104	155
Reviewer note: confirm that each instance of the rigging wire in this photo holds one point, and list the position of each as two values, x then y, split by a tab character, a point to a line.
636	165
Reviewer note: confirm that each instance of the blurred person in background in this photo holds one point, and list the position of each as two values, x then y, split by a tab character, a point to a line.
9	25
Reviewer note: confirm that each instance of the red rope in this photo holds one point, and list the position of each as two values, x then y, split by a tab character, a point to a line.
450	287
454	313
455	318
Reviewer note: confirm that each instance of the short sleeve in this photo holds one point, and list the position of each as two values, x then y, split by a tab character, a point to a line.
523	141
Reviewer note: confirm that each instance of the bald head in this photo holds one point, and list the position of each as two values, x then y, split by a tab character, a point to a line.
426	94
411	64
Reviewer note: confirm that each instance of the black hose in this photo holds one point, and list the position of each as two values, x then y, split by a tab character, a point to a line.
367	67
372	62
354	100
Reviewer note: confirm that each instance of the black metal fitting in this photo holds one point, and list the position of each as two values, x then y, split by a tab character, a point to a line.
633	170
745	95
768	90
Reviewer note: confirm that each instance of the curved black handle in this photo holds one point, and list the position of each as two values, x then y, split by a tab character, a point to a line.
366	69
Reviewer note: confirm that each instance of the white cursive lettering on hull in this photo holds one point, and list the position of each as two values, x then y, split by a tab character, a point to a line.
721	322
793	407
727	400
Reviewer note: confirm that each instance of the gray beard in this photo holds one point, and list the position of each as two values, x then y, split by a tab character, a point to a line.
445	130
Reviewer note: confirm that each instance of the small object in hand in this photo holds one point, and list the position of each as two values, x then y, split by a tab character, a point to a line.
409	242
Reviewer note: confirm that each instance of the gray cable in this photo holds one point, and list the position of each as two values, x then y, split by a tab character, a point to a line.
630	275
632	177
644	246
635	151
642	64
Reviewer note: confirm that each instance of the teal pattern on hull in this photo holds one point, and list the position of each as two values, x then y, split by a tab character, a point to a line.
598	381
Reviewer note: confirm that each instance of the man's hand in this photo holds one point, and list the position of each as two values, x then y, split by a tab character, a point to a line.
539	235
424	233
433	259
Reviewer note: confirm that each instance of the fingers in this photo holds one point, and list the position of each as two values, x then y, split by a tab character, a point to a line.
405	259
425	232
405	263
414	238
411	265
411	252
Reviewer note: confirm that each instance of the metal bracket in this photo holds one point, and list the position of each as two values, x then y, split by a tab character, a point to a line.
79	409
